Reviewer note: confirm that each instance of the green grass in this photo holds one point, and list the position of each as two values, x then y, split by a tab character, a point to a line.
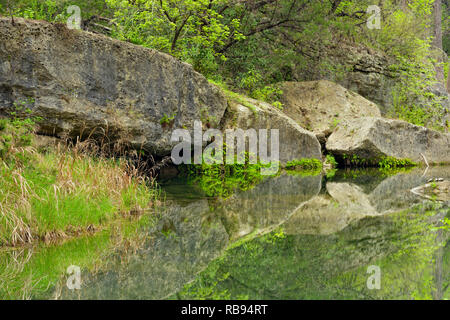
331	160
383	162
304	164
65	193
167	120
304	167
392	163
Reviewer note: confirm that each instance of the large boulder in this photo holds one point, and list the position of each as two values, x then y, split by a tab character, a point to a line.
87	84
294	141
320	105
373	139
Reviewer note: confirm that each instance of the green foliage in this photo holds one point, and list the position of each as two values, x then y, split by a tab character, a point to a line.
52	10
16	133
222	180
167	120
38	10
3	124
404	36
188	29
241	44
270	94
304	164
254	84
331	160
393	163
388	164
355	160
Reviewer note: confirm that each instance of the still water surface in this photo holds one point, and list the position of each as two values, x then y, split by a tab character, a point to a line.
288	237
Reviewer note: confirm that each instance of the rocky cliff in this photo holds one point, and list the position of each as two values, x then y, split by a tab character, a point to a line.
354	66
84	84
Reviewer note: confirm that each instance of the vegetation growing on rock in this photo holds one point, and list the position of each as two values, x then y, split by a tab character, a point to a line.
305	164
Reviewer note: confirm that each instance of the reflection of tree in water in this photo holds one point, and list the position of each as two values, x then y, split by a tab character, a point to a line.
407	246
446	272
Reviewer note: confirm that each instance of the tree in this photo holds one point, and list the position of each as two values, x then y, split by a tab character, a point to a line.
437	40
171	25
448	81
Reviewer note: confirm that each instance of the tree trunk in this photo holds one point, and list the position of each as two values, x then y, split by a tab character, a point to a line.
448	79
437	40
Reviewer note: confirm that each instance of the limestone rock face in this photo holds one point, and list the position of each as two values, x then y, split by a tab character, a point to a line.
87	84
320	105
294	141
375	138
356	67
368	72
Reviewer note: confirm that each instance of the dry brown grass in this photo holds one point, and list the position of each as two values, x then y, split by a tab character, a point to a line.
43	195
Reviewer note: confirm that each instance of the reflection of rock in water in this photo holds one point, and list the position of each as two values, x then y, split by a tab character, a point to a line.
192	238
310	266
328	233
266	206
392	193
327	214
439	190
367	179
357	197
189	237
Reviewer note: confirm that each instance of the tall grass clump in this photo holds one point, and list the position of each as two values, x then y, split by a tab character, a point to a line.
64	191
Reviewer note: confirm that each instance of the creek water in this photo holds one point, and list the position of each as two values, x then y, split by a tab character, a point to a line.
359	234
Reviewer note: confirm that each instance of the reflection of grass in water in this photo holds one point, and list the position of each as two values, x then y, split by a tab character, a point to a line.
355	173
219	180
391	171
29	272
303	173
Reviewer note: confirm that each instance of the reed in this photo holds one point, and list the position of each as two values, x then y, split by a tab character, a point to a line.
70	189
